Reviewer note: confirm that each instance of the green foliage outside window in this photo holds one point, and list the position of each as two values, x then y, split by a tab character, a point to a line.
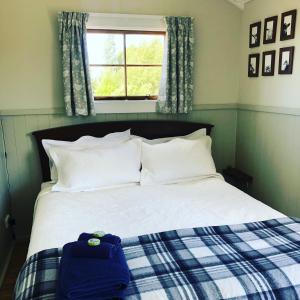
110	81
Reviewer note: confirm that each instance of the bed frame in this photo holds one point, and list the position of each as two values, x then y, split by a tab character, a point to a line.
148	129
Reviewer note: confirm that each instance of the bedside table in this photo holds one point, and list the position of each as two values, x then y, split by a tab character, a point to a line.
237	178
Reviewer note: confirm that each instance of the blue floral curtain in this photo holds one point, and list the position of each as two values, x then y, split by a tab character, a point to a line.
176	92
78	94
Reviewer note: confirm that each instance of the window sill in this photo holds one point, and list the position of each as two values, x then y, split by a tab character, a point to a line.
125	106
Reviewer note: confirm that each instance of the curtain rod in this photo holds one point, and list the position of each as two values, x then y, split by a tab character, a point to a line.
118	15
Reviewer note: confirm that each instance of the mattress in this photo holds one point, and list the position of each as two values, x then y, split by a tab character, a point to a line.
133	210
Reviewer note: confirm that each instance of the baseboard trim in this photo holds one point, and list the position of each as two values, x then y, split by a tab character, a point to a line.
7	261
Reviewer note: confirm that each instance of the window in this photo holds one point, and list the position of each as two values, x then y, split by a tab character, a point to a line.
125	64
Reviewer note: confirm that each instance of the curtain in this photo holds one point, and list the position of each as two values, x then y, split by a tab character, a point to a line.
176	90
78	94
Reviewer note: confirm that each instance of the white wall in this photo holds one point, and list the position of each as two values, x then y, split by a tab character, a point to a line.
278	90
30	72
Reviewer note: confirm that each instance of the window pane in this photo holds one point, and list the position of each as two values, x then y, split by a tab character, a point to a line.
143	81
108	81
144	49
105	48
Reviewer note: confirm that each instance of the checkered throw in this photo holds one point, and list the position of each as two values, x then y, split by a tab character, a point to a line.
259	260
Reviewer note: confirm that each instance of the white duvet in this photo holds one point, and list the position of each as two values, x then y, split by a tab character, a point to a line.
134	210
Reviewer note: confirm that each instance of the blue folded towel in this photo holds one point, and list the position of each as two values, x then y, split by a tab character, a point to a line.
91	278
82	249
107	238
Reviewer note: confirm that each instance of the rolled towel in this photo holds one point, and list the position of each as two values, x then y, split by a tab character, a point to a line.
84	249
89	278
107	238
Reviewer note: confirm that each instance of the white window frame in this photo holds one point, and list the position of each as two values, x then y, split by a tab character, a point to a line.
125	22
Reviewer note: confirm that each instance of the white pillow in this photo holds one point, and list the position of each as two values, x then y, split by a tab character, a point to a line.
82	143
192	136
177	160
92	168
111	137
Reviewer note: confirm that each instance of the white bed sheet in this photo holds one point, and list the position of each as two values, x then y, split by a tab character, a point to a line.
134	210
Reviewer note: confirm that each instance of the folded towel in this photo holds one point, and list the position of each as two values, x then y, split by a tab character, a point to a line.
107	238
90	278
82	249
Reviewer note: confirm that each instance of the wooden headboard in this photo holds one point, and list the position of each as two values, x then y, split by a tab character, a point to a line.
148	129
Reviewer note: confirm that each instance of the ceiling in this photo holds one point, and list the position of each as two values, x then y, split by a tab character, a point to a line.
239	3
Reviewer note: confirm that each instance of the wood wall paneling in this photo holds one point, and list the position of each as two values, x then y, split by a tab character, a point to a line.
5	236
268	148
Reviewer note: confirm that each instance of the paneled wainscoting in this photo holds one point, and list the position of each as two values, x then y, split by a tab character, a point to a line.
22	157
268	148
5	236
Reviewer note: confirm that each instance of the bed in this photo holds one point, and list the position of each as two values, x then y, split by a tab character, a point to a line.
164	216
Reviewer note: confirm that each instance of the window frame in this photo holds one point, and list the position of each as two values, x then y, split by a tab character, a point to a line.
125	65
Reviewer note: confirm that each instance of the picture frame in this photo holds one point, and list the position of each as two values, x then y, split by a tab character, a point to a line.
253	65
288	25
268	64
270	30
286	60
254	35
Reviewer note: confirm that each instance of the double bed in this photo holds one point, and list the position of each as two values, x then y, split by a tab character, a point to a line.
134	210
137	210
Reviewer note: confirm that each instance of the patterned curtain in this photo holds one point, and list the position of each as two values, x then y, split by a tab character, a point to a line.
78	94
176	91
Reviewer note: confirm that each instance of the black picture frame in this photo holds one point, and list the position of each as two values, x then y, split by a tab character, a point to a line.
253	65
288	25
254	35
286	60
268	63
270	30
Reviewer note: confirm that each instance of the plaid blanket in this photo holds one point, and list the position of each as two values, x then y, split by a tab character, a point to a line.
259	260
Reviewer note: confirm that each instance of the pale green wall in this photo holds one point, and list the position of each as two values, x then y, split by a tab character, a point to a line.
5	237
268	144
268	147
30	73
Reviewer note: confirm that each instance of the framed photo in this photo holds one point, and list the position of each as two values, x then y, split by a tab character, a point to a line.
253	65
270	30
268	63
286	60
288	25
254	35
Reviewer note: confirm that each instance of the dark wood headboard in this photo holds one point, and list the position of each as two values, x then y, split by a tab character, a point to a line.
148	129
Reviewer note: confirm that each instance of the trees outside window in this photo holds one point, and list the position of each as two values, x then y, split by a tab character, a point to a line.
125	64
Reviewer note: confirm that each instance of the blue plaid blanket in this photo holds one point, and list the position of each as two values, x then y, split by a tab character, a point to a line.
259	260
